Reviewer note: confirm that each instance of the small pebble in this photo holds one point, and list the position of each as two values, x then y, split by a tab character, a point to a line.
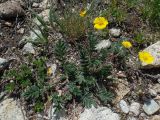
123	106
115	32
153	92
35	5
135	108
28	49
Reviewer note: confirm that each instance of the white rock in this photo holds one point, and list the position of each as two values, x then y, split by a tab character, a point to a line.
28	49
103	44
100	113
115	32
154	50
3	62
151	107
124	107
35	5
10	110
135	108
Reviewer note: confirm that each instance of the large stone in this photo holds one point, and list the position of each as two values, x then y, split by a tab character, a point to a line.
103	44
100	113
10	110
150	107
124	106
154	50
11	9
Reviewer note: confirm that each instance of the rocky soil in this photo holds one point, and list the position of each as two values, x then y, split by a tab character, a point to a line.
131	102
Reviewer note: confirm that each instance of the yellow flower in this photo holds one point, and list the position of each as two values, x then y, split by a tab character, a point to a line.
82	13
49	71
146	57
100	23
126	44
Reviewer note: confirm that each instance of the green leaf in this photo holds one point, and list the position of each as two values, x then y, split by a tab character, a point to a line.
74	89
32	92
88	100
10	87
105	96
60	50
39	106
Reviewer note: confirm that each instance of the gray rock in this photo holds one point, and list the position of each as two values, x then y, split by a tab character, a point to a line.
154	51
115	32
135	108
150	107
10	110
153	92
100	113
103	44
28	49
11	9
123	106
3	63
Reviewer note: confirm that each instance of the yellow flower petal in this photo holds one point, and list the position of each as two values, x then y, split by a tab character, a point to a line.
100	23
49	71
83	13
126	44
146	57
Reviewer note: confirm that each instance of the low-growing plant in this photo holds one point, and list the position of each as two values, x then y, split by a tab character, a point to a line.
30	81
87	80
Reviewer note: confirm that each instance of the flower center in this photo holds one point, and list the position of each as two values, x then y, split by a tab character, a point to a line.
101	23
